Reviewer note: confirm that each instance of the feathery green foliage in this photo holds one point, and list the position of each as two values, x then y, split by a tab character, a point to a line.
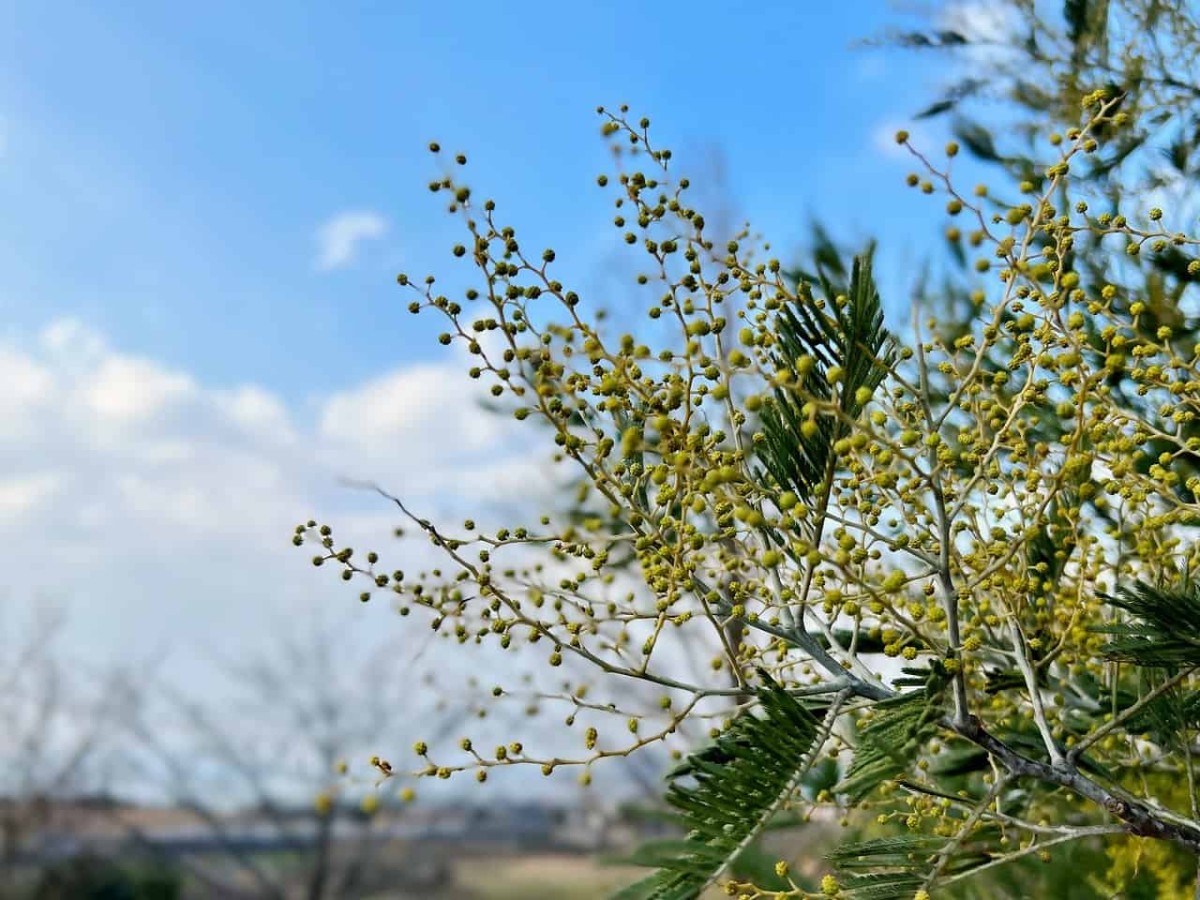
890	742
894	868
848	341
1168	718
727	793
1165	631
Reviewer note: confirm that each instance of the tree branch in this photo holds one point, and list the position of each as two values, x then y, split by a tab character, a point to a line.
1139	819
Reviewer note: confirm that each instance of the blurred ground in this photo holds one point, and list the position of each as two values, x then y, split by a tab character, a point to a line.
549	875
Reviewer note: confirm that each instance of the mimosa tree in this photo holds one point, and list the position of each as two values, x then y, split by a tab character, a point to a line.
991	625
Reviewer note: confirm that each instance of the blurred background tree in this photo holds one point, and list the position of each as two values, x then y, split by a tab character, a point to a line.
59	732
285	755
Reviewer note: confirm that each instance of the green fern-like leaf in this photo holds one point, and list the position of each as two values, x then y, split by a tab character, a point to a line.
894	868
900	850
1163	631
881	886
889	744
727	793
1168	719
847	333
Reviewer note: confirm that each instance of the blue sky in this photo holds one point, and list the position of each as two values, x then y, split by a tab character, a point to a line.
167	165
206	206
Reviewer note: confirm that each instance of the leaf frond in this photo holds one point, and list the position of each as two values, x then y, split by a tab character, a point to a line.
727	793
891	741
1164	631
846	332
895	867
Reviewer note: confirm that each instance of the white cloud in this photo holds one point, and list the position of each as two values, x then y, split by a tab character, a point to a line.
159	510
258	411
25	386
992	29
18	495
70	337
978	20
339	238
162	508
124	390
432	411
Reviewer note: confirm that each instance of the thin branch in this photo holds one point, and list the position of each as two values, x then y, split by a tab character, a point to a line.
1120	719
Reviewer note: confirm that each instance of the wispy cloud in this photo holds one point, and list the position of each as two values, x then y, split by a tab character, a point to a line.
339	238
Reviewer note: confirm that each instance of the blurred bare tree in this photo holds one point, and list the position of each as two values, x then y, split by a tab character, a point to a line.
272	775
58	725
